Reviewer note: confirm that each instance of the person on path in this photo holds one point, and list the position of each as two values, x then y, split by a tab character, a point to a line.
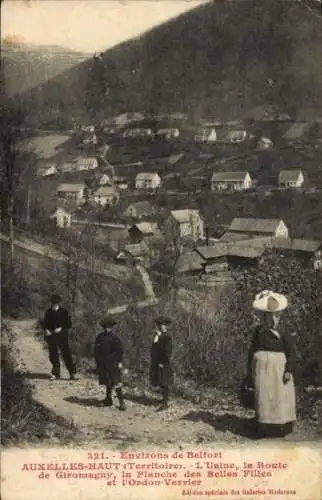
56	323
161	374
271	364
108	354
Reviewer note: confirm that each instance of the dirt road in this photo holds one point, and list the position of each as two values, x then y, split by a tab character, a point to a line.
141	424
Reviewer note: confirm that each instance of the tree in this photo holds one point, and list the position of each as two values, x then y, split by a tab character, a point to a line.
11	118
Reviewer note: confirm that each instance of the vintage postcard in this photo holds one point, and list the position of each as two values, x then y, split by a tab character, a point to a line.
161	249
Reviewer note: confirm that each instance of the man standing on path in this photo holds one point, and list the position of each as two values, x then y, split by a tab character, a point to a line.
56	324
161	374
108	354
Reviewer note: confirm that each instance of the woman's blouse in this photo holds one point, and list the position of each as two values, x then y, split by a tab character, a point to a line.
266	339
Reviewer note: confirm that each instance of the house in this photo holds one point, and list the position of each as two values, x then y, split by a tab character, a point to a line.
92	139
224	256
250	227
297	132
146	180
231	181
190	263
67	167
75	192
184	223
86	163
139	209
236	136
88	128
125	118
62	217
206	135
305	249
143	230
106	196
104	180
121	182
47	170
168	133
134	133
293	178
137	253
264	143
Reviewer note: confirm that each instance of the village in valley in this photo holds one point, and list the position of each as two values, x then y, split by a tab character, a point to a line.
143	186
161	186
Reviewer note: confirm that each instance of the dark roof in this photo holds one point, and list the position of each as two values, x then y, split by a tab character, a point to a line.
145	227
228	176
254	225
296	244
141	207
229	249
190	261
136	249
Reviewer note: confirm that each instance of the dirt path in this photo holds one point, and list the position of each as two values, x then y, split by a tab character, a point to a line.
140	425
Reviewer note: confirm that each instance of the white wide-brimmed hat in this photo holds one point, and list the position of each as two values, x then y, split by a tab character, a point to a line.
270	301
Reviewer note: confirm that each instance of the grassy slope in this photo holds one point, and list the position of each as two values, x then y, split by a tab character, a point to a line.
214	60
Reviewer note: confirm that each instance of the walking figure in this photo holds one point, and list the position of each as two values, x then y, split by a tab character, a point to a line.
161	374
108	353
56	324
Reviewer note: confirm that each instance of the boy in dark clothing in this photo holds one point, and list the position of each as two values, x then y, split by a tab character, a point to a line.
108	353
56	324
161	374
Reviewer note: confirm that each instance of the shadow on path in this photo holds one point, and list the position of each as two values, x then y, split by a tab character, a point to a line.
84	401
228	422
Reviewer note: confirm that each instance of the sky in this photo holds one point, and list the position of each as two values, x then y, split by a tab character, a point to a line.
85	25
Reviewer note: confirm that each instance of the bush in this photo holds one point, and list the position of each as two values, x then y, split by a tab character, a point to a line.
211	342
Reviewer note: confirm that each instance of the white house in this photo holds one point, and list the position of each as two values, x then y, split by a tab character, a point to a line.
264	143
184	223
231	181
89	163
252	227
168	133
104	180
134	133
92	139
106	195
47	171
88	128
206	135
236	136
292	178
146	180
74	192
62	217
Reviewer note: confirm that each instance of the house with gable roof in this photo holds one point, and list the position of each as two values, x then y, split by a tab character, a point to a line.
184	223
231	181
292	178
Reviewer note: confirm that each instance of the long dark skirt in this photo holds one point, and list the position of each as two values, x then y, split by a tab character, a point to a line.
161	377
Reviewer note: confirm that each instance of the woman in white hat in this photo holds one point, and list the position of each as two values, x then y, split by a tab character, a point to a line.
270	370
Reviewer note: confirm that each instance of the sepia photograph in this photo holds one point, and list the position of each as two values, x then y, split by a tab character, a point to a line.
161	249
